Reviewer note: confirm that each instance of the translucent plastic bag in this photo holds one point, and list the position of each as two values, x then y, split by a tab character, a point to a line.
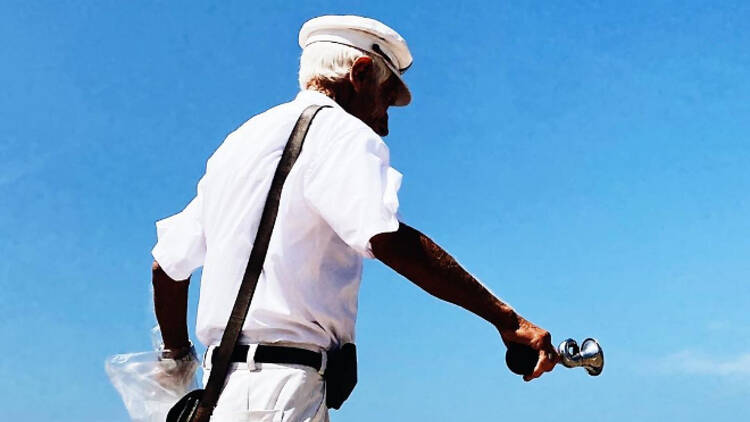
148	385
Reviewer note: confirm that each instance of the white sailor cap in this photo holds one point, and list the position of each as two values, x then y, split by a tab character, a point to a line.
364	34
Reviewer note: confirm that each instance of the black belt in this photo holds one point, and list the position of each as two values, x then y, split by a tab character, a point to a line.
276	354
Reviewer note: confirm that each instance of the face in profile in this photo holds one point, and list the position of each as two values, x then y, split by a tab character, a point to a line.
371	99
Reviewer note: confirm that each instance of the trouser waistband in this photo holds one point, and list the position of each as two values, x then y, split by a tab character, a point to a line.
265	353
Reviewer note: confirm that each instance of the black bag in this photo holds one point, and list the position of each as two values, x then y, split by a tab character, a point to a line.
197	405
340	375
185	409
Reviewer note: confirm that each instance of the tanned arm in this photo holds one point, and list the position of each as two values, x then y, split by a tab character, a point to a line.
170	306
419	259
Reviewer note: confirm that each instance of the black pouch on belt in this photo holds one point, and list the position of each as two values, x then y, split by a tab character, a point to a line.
340	375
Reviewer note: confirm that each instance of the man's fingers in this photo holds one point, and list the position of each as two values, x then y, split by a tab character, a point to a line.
545	363
537	369
552	354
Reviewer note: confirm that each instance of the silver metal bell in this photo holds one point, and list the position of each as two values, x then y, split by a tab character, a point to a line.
589	356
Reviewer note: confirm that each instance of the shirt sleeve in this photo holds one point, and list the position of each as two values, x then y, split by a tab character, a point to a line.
355	190
181	245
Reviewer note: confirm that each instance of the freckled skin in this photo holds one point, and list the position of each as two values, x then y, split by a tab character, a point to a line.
416	257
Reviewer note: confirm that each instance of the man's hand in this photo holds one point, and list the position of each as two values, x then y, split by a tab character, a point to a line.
176	374
538	339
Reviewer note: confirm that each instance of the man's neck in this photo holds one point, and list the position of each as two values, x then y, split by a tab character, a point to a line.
342	93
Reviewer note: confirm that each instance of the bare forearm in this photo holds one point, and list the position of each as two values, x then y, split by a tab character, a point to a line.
170	306
422	261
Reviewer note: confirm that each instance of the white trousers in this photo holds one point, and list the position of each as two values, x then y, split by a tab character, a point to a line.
267	392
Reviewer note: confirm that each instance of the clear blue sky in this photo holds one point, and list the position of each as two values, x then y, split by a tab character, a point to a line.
589	161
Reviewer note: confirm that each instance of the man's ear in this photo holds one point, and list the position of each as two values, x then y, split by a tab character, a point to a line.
361	72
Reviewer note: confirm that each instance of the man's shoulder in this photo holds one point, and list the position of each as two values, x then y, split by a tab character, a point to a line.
332	119
331	126
277	119
344	123
283	116
337	127
278	114
254	135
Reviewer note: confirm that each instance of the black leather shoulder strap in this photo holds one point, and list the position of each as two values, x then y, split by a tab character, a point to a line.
223	353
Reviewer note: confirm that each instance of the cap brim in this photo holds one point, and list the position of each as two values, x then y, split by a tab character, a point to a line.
404	95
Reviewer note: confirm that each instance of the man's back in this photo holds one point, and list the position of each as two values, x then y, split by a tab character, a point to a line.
339	194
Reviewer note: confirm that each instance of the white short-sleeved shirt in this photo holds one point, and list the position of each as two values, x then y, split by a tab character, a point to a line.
340	193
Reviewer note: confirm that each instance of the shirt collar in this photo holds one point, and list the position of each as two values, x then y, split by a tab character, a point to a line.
315	97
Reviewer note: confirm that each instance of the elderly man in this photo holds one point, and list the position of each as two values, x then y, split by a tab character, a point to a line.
338	205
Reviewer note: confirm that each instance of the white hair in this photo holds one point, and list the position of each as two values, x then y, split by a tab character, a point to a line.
323	63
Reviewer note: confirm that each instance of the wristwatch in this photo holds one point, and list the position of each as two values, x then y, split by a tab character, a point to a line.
184	353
